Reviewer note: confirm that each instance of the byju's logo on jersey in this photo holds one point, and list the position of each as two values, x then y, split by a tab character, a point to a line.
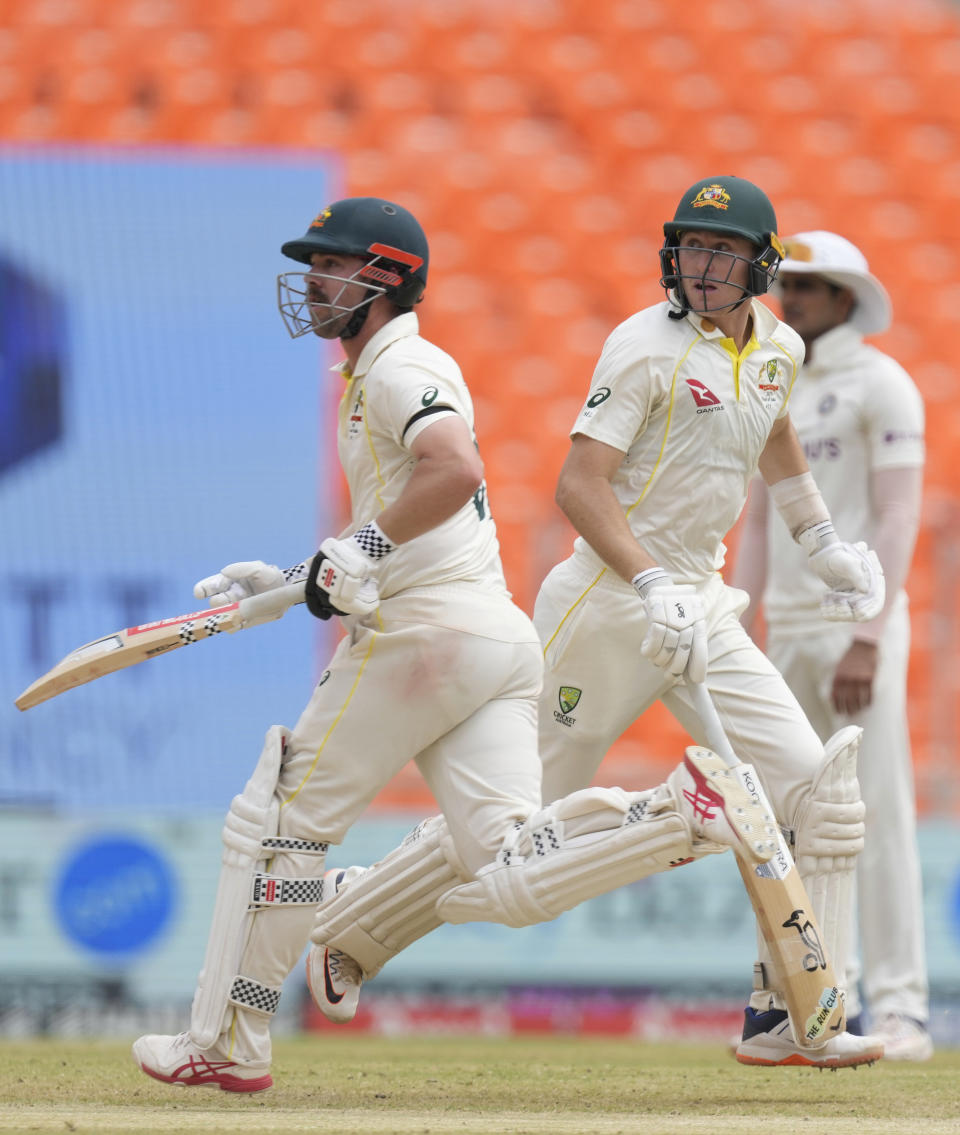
569	698
703	396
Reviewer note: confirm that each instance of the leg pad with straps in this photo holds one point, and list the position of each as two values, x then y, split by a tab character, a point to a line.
392	904
584	845
828	834
250	841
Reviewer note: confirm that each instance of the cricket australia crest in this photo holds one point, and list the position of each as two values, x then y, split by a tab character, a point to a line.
770	382
569	698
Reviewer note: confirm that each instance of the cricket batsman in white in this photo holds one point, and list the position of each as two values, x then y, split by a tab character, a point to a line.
437	666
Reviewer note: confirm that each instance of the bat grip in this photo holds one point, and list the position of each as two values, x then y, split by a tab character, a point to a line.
270	604
710	719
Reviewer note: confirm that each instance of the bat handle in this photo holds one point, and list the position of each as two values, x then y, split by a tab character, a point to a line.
270	604
710	719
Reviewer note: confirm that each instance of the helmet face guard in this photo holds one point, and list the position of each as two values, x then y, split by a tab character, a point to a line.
761	270
723	205
303	312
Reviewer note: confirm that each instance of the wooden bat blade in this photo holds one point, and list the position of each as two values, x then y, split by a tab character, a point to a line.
122	649
806	976
136	644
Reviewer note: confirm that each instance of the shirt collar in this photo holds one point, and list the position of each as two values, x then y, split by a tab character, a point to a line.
400	327
833	347
764	323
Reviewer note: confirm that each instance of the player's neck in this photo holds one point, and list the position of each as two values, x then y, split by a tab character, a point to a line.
353	347
378	317
736	324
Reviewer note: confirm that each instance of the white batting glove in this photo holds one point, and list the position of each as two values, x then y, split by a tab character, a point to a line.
852	572
239	581
341	579
676	638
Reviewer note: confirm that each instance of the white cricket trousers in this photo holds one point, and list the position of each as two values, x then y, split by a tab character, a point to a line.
889	886
441	677
592	627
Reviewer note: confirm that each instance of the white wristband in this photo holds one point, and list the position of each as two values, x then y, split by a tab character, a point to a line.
644	580
373	541
799	502
817	536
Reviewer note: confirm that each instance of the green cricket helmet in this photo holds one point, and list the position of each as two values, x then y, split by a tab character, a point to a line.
395	256
387	234
725	205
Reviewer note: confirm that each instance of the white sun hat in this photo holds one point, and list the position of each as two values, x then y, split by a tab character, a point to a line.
838	260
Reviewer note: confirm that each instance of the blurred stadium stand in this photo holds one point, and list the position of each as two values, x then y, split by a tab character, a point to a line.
542	143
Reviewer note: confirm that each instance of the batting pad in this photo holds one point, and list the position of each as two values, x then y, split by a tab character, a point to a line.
386	908
584	845
250	840
829	836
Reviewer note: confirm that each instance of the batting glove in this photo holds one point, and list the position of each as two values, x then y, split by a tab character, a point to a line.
852	573
676	638
341	576
239	581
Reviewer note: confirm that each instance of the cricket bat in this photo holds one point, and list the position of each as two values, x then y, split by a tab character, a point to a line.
805	974
136	644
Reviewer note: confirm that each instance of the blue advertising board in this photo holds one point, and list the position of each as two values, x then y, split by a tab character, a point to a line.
157	423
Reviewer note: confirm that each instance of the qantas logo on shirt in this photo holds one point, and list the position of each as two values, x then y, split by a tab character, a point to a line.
703	396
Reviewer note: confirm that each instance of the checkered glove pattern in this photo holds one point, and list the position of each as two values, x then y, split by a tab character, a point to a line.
373	541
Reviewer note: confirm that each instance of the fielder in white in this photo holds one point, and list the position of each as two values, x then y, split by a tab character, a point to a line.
688	399
437	666
860	419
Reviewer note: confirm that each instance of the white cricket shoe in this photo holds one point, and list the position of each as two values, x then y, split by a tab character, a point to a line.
719	808
768	1040
177	1060
903	1038
334	981
333	977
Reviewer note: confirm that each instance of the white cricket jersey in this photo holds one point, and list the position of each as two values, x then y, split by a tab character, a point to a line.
402	385
691	416
856	411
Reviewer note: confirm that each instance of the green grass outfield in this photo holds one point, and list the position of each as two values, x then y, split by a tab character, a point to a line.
466	1085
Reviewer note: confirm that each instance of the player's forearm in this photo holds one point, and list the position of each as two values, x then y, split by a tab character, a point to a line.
783	454
897	494
749	571
594	511
437	489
